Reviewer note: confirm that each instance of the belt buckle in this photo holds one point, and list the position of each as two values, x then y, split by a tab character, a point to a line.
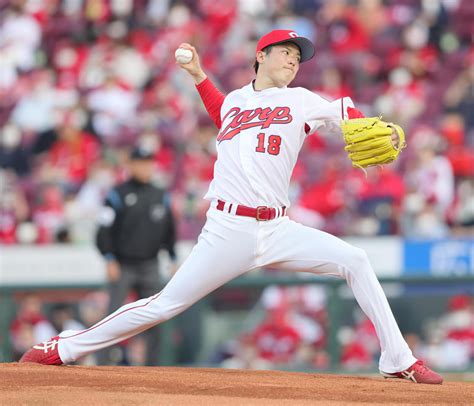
262	211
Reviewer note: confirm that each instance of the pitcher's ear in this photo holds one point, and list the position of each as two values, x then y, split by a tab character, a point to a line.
260	56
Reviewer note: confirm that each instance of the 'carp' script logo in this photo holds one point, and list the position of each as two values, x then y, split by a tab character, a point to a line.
263	118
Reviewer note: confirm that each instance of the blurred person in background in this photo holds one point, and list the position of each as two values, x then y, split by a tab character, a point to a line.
307	315
379	193
29	325
84	209
276	338
135	223
459	96
306	307
449	337
245	355
34	111
61	316
403	99
458	325
13	207
354	355
459	148
430	187
20	34
359	343
463	210
13	154
48	213
113	108
73	153
460	153
93	307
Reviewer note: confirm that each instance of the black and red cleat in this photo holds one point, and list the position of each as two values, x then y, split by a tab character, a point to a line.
418	373
45	353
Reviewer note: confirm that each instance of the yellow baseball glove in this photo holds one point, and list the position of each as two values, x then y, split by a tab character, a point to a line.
369	141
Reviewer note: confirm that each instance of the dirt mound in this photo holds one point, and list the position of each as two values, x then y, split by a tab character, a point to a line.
49	385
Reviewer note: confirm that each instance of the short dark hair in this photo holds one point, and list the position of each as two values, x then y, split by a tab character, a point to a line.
267	51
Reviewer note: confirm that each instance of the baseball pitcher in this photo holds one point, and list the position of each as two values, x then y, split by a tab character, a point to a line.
261	128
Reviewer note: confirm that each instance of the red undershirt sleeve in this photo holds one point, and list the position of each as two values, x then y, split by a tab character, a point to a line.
212	99
354	113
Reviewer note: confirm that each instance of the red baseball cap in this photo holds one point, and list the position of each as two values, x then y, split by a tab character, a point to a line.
279	36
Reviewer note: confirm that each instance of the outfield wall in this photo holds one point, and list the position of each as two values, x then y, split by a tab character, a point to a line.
390	257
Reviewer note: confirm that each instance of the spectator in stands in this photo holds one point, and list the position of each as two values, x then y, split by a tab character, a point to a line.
458	149
84	209
13	208
48	214
306	310
378	194
430	185
13	154
61	317
34	112
21	34
29	326
463	210
246	356
72	155
294	326
113	109
275	338
460	94
307	358
360	348
403	99
458	323
449	337
354	355
346	32
93	307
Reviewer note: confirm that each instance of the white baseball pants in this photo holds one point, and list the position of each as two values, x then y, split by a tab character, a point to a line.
230	246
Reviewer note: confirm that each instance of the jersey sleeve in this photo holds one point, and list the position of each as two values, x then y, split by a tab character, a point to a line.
212	99
324	116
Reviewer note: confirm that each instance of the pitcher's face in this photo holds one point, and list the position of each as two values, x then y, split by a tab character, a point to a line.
281	64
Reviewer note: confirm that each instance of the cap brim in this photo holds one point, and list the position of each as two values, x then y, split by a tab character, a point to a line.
304	44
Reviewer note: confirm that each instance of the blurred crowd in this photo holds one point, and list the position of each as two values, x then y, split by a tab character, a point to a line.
287	329
82	81
294	334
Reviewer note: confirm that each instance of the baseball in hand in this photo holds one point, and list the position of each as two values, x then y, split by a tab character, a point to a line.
183	55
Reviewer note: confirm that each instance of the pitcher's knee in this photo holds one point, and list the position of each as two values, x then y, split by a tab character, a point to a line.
170	312
165	309
358	261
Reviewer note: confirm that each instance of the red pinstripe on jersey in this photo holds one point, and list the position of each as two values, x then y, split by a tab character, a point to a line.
113	317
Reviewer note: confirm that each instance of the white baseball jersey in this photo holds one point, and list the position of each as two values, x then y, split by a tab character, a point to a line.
258	143
260	138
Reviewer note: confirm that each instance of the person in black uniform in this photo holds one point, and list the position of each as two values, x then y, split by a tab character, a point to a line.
135	223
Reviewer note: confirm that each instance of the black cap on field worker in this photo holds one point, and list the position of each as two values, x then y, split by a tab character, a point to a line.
141	153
